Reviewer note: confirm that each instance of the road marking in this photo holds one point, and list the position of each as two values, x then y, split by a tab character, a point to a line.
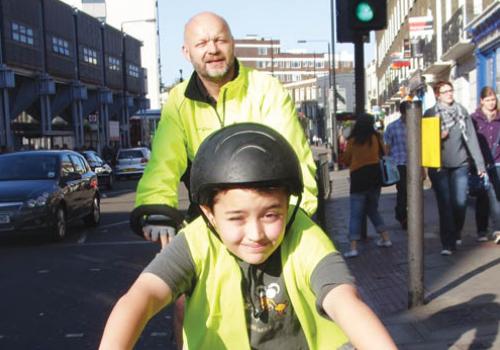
95	269
74	335
43	271
114	224
90	244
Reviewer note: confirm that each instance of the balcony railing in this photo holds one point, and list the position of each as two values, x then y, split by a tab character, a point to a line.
456	40
429	52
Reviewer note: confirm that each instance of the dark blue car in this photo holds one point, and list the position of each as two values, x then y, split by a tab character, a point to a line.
41	191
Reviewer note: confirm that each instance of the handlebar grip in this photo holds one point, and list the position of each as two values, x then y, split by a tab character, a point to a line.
171	216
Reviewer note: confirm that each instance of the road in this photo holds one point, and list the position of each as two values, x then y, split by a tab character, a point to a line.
59	295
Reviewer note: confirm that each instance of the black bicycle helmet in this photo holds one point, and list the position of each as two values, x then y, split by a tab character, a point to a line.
246	154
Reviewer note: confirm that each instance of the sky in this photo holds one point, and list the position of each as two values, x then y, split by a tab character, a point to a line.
286	20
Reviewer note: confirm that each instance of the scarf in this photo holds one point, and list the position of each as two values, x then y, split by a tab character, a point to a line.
451	115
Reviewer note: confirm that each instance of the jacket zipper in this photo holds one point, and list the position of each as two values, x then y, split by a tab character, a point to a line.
221	120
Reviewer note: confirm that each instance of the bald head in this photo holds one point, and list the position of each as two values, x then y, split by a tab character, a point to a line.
205	20
209	46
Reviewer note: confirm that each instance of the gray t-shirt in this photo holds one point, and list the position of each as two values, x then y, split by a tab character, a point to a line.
454	149
271	320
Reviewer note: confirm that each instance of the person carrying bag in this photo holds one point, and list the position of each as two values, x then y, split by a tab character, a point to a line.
389	174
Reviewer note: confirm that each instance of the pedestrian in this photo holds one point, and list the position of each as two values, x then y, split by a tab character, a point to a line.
395	143
220	92
362	155
459	148
486	121
257	271
107	153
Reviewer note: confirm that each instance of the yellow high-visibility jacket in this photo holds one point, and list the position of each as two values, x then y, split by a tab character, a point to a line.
215	312
185	122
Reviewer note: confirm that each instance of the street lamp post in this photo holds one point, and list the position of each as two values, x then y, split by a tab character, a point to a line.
147	20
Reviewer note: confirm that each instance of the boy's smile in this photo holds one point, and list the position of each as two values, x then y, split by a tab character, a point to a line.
251	223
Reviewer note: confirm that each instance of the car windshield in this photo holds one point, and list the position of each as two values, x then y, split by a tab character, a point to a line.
130	154
28	167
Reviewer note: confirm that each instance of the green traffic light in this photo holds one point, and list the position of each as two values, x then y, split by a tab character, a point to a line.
364	12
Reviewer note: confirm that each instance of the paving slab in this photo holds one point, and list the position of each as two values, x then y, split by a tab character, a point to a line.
462	291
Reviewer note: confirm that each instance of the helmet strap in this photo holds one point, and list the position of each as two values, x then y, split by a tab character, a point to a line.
208	223
292	217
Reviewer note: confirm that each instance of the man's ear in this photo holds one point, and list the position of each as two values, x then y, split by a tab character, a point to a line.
208	214
185	52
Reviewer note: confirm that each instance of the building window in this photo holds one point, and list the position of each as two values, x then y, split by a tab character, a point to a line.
114	63
22	34
133	70
262	51
60	46
90	56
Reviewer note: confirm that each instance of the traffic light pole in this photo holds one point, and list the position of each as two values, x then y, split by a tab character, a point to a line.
359	72
359	78
333	87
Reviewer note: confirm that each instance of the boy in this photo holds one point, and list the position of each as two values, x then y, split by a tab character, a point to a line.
257	272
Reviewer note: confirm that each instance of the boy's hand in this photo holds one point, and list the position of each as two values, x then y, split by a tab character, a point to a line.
161	233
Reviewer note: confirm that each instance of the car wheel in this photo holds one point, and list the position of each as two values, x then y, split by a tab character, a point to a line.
58	230
95	213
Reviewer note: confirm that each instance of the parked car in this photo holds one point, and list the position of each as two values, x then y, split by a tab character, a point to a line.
131	161
103	170
45	190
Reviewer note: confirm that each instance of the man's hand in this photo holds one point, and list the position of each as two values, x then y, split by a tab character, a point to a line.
161	233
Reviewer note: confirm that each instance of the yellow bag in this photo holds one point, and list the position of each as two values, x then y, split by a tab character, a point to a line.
431	142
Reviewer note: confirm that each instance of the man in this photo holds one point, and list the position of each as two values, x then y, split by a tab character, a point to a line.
220	92
395	141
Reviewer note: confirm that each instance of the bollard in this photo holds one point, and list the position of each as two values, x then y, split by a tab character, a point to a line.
415	205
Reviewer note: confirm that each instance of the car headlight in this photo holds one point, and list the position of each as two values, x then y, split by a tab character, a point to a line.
39	201
98	169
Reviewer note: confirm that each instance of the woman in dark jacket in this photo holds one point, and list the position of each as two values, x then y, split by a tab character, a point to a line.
486	120
362	155
459	146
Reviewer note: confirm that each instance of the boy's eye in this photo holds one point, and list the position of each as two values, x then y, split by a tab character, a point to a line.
272	216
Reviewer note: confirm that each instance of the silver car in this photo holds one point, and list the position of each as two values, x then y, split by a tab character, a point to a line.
131	161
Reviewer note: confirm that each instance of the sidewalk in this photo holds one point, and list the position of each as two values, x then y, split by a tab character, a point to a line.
462	291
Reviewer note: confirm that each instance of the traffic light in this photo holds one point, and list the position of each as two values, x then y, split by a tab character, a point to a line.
368	15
